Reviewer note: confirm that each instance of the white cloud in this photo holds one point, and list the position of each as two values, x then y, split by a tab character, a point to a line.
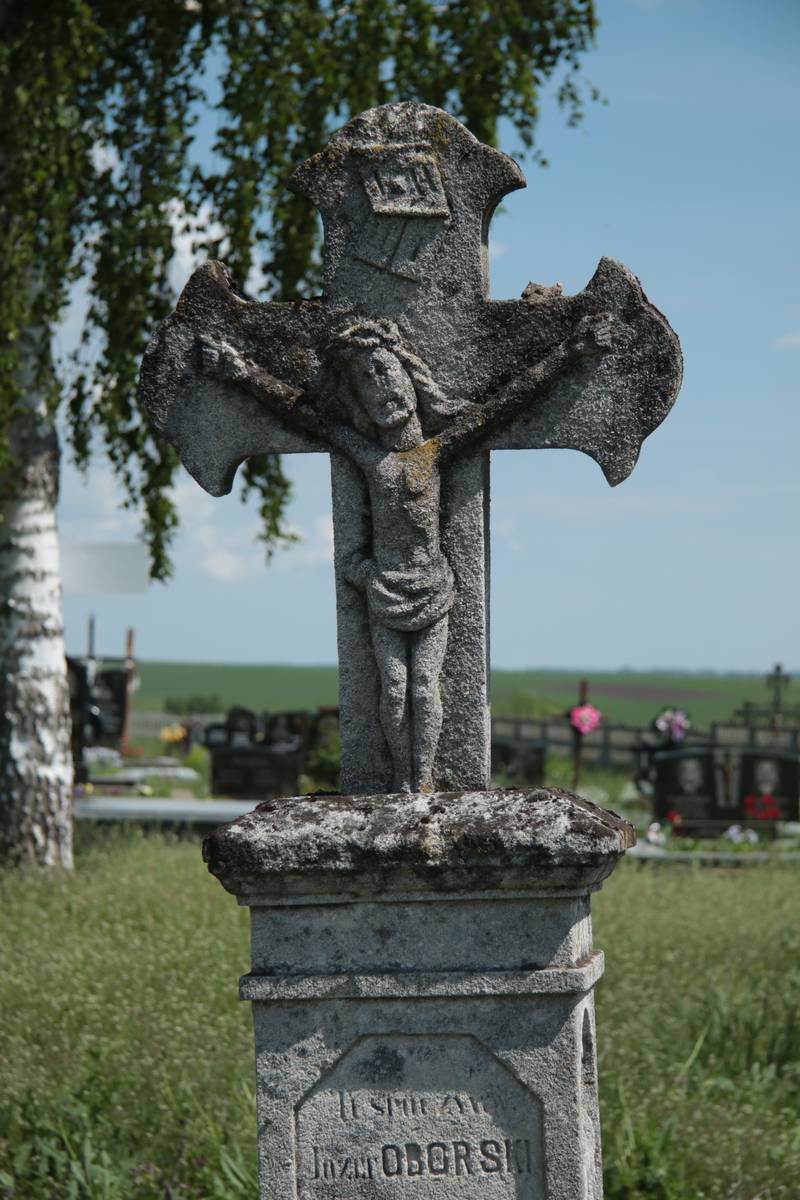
225	565
192	502
789	341
314	549
90	506
227	549
222	553
497	249
217	538
221	538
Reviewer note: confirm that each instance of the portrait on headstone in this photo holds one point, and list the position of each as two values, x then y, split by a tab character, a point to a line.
769	786
686	785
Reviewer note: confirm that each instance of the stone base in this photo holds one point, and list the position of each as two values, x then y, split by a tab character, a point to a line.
422	974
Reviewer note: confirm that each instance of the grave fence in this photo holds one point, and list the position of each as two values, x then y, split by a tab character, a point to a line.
617	745
610	745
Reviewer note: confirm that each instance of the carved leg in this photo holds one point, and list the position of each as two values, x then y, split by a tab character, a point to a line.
427	656
391	652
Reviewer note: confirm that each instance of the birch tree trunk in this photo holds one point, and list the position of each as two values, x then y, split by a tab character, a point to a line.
35	755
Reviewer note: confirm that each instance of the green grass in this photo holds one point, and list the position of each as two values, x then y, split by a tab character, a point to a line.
126	1060
699	1034
126	1057
630	697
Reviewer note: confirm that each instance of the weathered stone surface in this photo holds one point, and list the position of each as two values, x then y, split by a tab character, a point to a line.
421	981
409	375
394	1098
538	839
422	961
444	1113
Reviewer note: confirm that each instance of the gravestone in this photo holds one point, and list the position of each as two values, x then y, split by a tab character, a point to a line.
110	699
688	786
421	981
422	960
247	765
254	772
710	790
79	714
520	760
769	786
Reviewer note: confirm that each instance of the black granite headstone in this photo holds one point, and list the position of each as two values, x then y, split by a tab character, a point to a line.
769	786
522	762
686	787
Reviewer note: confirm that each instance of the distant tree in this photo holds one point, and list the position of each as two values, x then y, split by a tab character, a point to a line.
100	174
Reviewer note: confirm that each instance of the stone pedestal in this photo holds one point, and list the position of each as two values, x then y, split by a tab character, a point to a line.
422	975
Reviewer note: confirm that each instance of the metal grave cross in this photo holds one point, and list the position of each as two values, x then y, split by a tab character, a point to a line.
777	681
408	376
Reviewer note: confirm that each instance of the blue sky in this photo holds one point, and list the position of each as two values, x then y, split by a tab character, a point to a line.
689	175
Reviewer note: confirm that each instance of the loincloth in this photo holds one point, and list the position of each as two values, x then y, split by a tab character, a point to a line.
411	598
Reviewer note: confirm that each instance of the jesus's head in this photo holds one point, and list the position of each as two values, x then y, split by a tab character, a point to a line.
381	387
389	390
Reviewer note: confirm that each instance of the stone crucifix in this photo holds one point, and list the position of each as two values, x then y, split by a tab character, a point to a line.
408	376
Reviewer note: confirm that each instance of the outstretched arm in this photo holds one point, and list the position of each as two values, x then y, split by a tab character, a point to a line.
221	361
592	336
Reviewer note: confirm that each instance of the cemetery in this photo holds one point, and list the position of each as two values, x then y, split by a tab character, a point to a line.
693	782
423	924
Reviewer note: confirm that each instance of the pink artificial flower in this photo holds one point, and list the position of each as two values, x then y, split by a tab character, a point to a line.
673	722
679	724
584	718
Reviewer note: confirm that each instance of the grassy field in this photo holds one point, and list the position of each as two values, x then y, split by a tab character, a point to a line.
126	1060
261	688
631	697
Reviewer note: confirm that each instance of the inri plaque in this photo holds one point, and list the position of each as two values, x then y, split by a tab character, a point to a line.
415	1114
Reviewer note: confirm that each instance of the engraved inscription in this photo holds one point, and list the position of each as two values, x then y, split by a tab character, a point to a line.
404	181
398	1114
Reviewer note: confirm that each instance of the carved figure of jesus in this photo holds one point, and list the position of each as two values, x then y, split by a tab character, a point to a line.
384	410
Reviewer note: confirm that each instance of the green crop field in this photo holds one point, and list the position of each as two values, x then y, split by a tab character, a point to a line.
632	697
126	1060
262	688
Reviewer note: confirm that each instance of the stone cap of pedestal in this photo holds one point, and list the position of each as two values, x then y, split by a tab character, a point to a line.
442	845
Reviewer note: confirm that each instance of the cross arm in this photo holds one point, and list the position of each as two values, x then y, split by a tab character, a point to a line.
298	410
595	372
213	422
593	335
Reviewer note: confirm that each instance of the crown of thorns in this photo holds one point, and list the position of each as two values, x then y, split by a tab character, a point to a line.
382	334
377	334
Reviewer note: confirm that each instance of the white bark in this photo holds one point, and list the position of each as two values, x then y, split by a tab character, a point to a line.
35	754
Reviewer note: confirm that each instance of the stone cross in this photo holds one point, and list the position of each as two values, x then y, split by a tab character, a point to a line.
408	376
